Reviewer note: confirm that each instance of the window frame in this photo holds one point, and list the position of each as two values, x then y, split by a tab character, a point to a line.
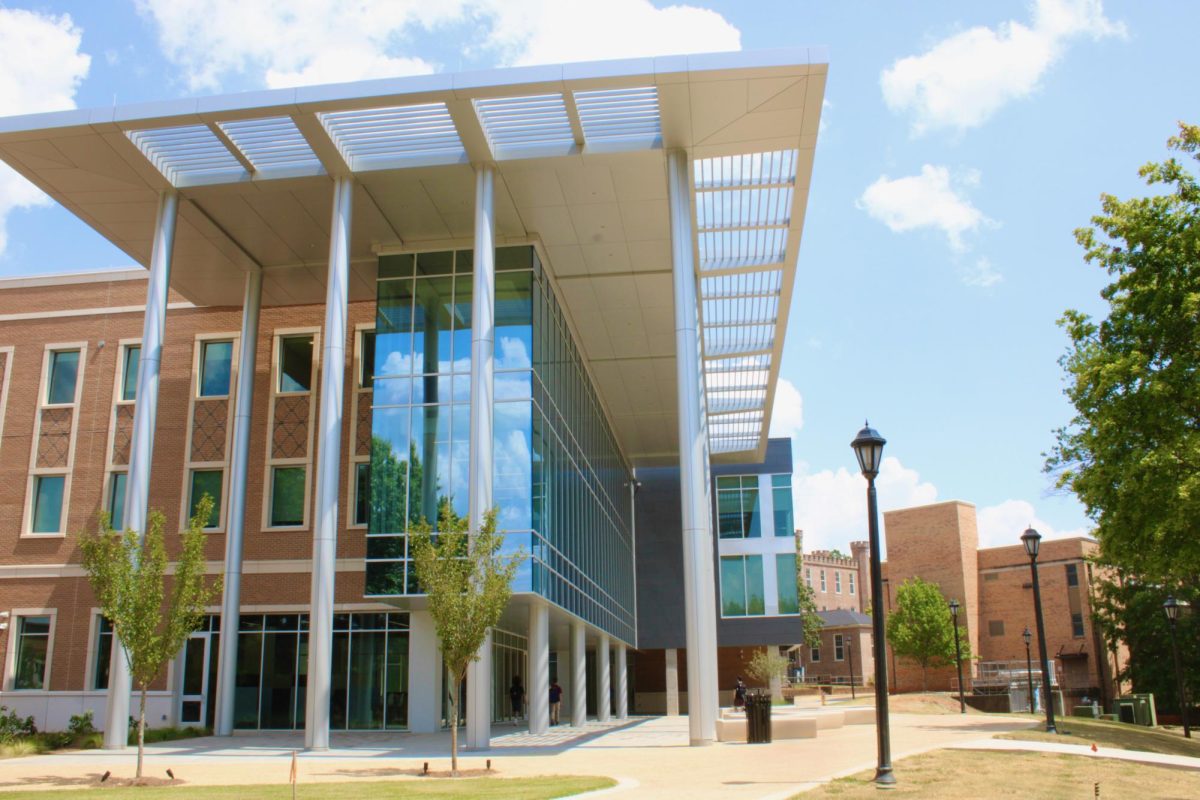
308	461
814	655
837	581
202	342
824	584
65	472
277	363
1080	627
839	647
109	487
850	575
744	558
122	378
10	659
269	506
48	372
217	522
93	652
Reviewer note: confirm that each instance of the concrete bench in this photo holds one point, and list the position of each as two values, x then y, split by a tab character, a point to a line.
790	727
861	715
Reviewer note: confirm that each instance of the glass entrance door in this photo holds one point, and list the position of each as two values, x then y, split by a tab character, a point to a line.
193	706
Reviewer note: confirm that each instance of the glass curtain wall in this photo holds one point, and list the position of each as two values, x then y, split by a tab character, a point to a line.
559	481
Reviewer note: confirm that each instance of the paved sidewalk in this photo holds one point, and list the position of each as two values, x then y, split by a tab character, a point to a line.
1163	759
650	756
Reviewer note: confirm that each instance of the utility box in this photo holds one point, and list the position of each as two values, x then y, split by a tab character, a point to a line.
1136	709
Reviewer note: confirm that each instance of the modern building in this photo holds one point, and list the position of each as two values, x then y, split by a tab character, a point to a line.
529	289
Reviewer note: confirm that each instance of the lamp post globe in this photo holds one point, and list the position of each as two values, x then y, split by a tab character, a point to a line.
868	448
1032	541
1171	608
962	702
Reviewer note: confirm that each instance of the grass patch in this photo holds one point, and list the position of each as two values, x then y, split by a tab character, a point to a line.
542	788
955	774
1102	733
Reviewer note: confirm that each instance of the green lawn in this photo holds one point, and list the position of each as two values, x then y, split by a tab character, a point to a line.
542	788
1081	730
955	774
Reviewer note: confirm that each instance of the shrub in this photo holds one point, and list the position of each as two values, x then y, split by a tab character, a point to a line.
81	725
13	726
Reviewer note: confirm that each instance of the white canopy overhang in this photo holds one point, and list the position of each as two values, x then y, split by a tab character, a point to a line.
579	151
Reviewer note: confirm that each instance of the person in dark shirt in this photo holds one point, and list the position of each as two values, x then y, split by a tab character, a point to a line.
739	693
555	702
516	693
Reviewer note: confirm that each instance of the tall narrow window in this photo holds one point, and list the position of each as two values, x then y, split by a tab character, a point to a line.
742	586
362	493
837	581
295	363
64	370
851	577
785	580
1077	625
129	372
287	496
824	587
206	482
33	652
808	577
216	364
814	655
839	647
47	503
103	654
116	501
366	370
1072	575
781	499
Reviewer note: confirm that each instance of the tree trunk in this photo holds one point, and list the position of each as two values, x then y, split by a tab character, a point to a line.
454	731
141	731
924	678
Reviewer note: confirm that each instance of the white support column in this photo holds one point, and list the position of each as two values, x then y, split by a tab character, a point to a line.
578	675
329	436
622	682
603	679
424	670
232	601
141	450
479	468
698	580
672	682
538	682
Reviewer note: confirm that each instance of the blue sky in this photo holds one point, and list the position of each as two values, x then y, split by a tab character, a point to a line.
961	145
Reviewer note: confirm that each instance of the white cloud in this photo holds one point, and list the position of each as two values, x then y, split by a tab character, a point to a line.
931	199
981	274
961	81
1003	524
787	414
40	70
317	41
831	505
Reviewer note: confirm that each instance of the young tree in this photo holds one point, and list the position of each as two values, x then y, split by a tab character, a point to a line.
921	629
806	600
128	579
1131	453
468	584
766	665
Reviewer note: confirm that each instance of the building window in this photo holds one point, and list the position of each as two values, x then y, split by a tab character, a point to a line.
738	514
47	503
103	656
837	582
129	372
785	580
295	363
206	482
116	501
1077	625
216	363
851	577
742	586
824	586
814	655
781	499
808	577
366	357
1072	575
64	370
996	627
287	497
839	648
33	652
362	493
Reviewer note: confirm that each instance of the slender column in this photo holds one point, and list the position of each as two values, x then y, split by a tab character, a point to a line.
333	376
141	449
479	468
424	667
538	682
672	682
578	675
700	605
622	682
603	679
232	601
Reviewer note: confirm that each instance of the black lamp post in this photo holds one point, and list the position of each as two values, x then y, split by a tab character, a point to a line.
868	447
1028	637
1171	606
1032	540
850	653
962	703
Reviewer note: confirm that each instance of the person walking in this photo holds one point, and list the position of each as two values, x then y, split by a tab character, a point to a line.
739	693
516	694
555	701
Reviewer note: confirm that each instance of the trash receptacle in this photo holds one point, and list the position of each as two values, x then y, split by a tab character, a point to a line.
758	718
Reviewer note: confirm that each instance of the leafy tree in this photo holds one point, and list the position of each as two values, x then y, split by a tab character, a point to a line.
921	629
766	665
1131	453
128	579
806	600
468	584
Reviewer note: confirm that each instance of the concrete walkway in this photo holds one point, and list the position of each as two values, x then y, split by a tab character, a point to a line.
649	756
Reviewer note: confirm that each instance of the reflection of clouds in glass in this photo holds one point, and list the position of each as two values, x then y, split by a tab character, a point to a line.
512	386
513	354
392	391
396	364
